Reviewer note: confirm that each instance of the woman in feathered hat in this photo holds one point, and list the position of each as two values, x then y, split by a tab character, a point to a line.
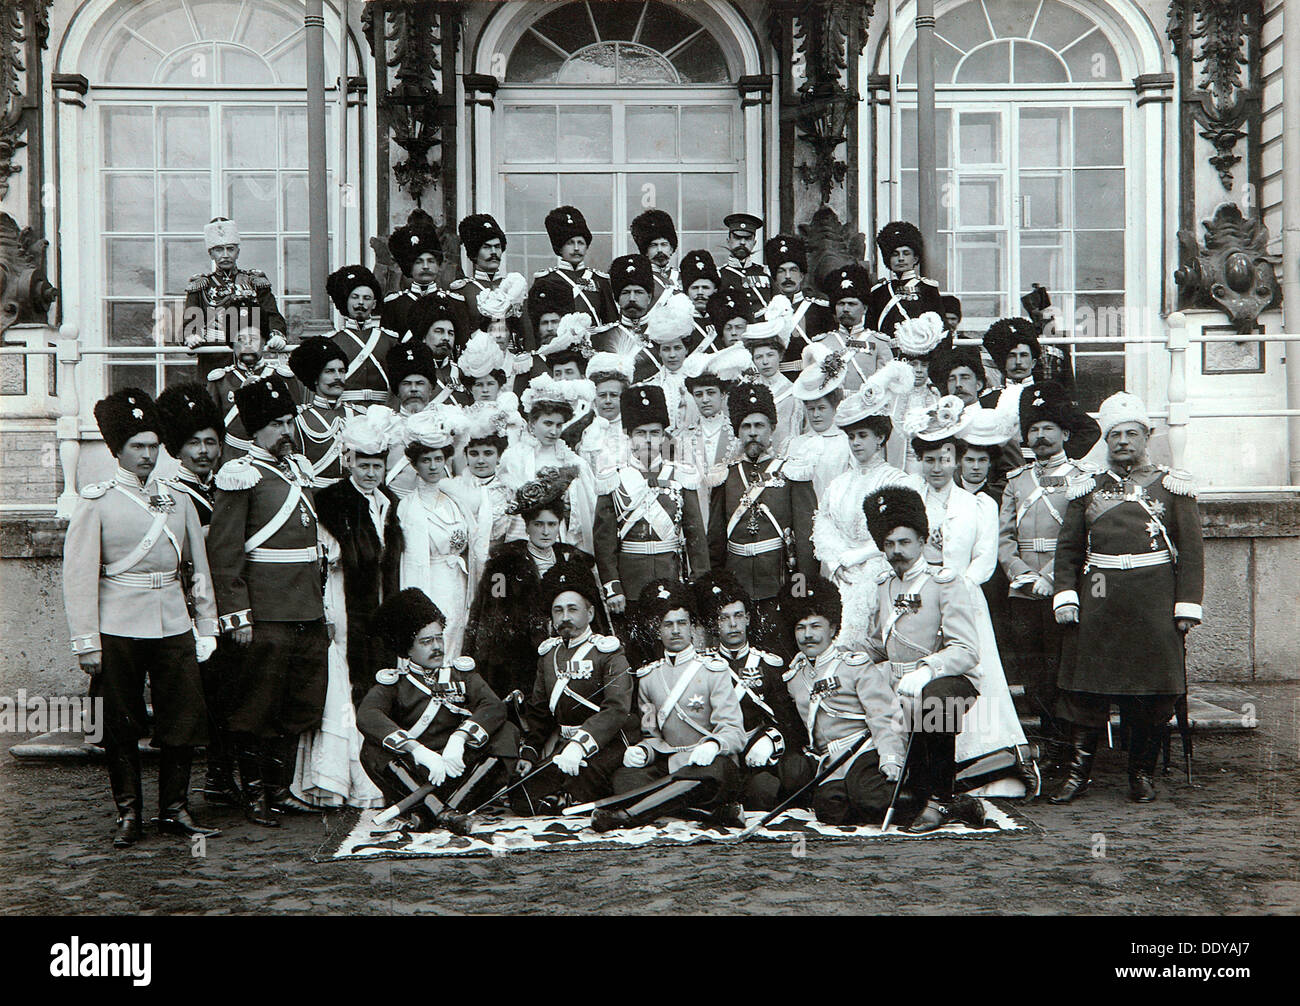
840	539
822	447
489	429
916	342
443	545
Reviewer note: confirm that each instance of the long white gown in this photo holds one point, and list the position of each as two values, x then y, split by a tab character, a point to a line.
523	460
841	542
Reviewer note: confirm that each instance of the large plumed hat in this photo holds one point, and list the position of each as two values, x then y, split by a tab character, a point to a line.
642	404
1047	402
418	235
400	618
571	343
340	284
545	491
476	230
847	281
748	398
785	248
435	428
408	358
892	507
698	265
125	414
372	432
717	370
814	595
185	409
566	222
900	234
777	323
670	319
481	356
311	356
824	370
945	361
987	427
429	309
725	305
653	224
1121	407
1007	333
220	231
506	299
940	421
610	366
546	390
492	422
566	576
631	270
658	597
876	396
263	400
919	337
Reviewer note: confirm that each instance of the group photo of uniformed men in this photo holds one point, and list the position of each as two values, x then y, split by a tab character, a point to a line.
673	536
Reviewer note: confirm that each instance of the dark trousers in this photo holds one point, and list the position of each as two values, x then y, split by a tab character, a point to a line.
763	788
218	674
719	784
1147	713
936	721
593	782
1035	650
861	796
280	689
397	775
168	664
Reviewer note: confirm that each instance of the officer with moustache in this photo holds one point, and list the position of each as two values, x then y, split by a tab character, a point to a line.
222	302
699	278
321	367
223	382
633	284
866	351
363	340
485	245
417	250
655	237
589	288
787	258
740	272
905	294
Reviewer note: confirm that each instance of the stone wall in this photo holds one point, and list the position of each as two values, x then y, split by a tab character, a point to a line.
29	464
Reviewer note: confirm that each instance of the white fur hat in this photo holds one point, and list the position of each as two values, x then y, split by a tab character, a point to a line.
1122	407
220	232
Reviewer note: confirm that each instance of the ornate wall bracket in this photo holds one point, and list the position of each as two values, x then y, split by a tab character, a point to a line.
1233	272
24	31
25	292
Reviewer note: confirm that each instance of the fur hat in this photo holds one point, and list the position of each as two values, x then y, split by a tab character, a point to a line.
340	284
476	230
1006	334
481	356
892	507
408	358
814	596
650	225
263	400
950	304
566	222
658	597
125	414
184	410
945	361
609	366
717	589
549	296
900	234
1047	402
1121	407
847	281
748	398
631	270
372	432
546	491
919	337
418	235
644	403
429	309
565	576
698	265
725	305
717	370
400	618
311	356
220	231
785	248
670	319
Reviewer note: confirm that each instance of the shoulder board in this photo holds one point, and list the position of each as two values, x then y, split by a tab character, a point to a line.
547	645
712	662
606	644
542	272
1080	487
259	278
1016	471
819	301
197	283
455	296
884	575
394	295
602	275
645	669
238	474
1092	468
456	284
943	575
685	475
217	373
878	284
796	665
930	282
856	658
387	677
465	664
769	658
93	492
1179	482
797	470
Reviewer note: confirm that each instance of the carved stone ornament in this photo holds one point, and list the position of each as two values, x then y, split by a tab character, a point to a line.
1233	272
25	292
19	44
831	244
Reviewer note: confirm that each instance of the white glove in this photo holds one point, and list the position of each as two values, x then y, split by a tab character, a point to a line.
761	752
704	753
432	763
204	647
911	683
453	756
276	343
193	341
569	760
636	757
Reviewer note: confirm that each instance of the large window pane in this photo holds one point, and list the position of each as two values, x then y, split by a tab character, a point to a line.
250	137
1098	136
185	202
980	138
653	191
1043	201
1043	260
982	261
183	137
293	138
594	195
132	375
250	201
706	199
638	65
297	266
1099	195
296	214
529	134
586	134
1099	260
128	137
1032	64
260	253
182	258
528	198
597	65
1044	137
706	133
991	65
130	267
128	202
651	133
130	323
979	199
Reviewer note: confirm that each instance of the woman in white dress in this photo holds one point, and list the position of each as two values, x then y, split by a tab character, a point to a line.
443	542
548	405
840	540
604	443
916	340
486	436
822	447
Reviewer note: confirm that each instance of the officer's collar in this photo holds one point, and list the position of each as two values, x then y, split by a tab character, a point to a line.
1121	471
914	570
1012	382
355	325
321	402
907	276
185	475
420	289
1055	461
568	266
737	262
129	480
859	329
486	277
740	654
573	644
635	326
678	659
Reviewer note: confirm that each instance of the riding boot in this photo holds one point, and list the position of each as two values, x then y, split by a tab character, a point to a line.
124	778
174	794
219	774
1144	749
1083	741
257	808
279	777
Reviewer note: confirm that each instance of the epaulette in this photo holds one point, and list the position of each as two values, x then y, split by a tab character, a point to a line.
884	575
238	474
259	278
1077	488
606	644
394	295
197	283
855	658
1016	471
96	490
878	284
456	284
645	669
796	665
943	575
819	301
217	373
927	279
769	658
464	663
541	272
602	275
1091	467
282	368
387	677
1178	481
547	645
714	663
685	475
797	470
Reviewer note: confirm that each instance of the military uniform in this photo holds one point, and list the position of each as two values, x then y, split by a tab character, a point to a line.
395	314
320	431
227	302
841	695
366	346
223	382
411	707
616	338
471	287
583	692
449	386
665	285
590	289
812	317
865	352
899	298
708	445
769	712
750	279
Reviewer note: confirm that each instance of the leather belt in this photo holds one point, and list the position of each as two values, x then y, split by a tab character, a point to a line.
1037	545
1128	560
755	547
901	667
284	555
656	547
154	581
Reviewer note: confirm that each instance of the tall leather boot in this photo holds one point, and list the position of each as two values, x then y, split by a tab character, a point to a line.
1083	742
257	805
659	803
942	807
279	777
174	795
124	778
219	773
1144	749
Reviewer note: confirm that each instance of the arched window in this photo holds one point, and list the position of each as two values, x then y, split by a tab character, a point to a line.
197	108
616	107
1033	118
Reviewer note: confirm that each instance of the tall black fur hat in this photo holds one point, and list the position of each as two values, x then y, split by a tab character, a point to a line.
186	409
814	595
340	284
262	400
125	414
641	404
567	576
631	270
400	618
698	265
566	222
945	361
476	230
717	589
310	357
900	234
1049	402
653	224
410	357
745	399
418	235
785	248
895	507
659	597
1006	334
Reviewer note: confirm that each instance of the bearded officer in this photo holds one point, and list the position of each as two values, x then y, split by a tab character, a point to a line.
126	544
266	567
1130	572
655	237
321	367
221	302
866	350
633	284
581	702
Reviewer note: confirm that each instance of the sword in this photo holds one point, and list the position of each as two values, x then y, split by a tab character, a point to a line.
650	787
898	785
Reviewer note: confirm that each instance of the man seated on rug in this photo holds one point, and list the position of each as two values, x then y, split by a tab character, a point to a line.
426	721
841	694
692	727
580	704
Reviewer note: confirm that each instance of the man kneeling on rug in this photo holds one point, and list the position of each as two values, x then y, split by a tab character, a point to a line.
692	725
580	705
430	721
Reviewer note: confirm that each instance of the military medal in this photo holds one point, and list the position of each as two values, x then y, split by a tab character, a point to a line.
162	504
904	603
302	515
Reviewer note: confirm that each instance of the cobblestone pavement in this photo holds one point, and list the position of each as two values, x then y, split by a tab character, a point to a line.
1230	844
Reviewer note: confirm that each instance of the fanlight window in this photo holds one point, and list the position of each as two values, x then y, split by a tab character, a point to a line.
1015	42
617	43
